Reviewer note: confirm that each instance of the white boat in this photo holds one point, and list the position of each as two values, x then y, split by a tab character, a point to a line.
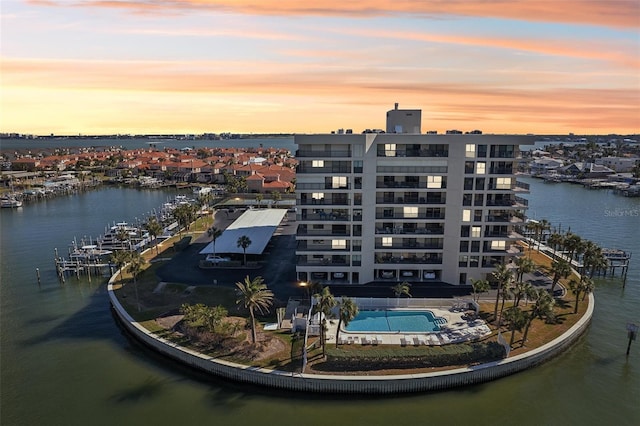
89	252
10	203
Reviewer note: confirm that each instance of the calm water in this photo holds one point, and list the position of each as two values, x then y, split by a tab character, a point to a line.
64	361
35	145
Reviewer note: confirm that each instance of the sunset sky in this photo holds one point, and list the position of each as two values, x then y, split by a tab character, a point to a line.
194	66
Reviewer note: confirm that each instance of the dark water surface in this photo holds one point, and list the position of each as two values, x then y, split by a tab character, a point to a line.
64	361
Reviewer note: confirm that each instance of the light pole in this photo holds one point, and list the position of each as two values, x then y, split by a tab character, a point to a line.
305	286
632	330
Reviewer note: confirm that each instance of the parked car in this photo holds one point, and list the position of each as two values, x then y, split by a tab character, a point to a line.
217	259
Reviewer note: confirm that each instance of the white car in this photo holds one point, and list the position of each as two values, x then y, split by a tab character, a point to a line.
216	259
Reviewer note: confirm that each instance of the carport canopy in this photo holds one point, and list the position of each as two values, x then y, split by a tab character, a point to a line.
259	225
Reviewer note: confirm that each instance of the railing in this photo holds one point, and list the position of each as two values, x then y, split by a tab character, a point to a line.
416	231
325	202
322	233
410	260
309	186
401	215
412	153
307	153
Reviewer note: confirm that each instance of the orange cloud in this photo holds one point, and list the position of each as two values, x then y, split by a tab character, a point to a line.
157	97
611	13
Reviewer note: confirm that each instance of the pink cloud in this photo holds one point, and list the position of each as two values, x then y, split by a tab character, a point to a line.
611	13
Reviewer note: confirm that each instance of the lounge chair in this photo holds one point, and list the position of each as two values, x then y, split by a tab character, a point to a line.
404	341
366	340
416	340
377	340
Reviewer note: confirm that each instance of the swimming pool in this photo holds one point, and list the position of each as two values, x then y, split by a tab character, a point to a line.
395	321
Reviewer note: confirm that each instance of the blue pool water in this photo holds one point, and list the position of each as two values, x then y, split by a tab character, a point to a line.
395	321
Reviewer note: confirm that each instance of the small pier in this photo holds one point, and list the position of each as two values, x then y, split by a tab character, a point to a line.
618	260
89	266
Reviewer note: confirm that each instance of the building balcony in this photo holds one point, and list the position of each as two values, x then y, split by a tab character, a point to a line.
325	202
322	233
414	259
409	231
401	215
308	153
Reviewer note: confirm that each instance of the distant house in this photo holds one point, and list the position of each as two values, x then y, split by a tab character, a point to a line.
619	164
587	170
543	166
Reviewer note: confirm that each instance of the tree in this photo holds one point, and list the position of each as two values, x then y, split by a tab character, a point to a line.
202	316
542	307
259	198
516	320
519	290
559	269
572	244
122	235
324	303
214	233
254	295
184	214
154	228
503	277
555	241
524	265
593	258
119	258
479	286
347	311
402	288
581	287
136	264
276	197
244	242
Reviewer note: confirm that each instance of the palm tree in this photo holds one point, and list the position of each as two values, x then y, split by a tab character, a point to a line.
593	258
214	233
119	258
402	288
122	235
154	228
572	244
259	198
244	242
254	295
275	196
324	303
581	287
184	214
503	277
519	290
347	311
516	319
555	240
479	286
542	307
542	226
524	265
559	269
136	263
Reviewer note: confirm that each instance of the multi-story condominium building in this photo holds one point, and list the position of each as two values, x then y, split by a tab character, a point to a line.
406	206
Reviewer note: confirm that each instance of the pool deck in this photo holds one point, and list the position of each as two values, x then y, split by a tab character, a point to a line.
457	329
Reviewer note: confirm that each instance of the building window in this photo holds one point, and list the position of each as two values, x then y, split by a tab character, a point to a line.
481	167
317	196
468	167
470	151
475	246
390	149
482	151
466	199
434	181
479	184
317	163
466	215
464	246
463	278
338	244
357	166
464	231
387	241
503	183
358	150
463	261
410	212
475	231
498	245
338	182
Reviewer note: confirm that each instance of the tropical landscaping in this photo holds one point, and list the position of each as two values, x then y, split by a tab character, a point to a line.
229	323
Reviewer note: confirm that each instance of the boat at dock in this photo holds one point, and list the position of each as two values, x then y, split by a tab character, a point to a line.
10	203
